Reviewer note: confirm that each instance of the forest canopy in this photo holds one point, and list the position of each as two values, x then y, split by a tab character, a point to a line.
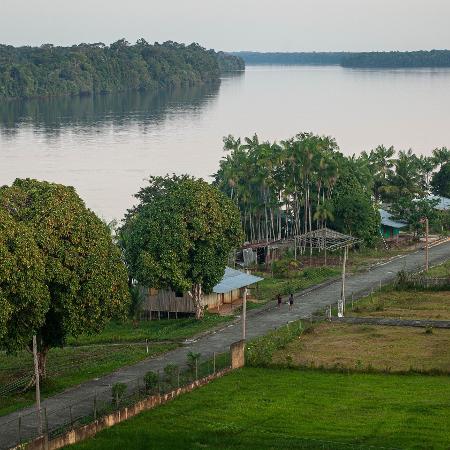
433	58
82	69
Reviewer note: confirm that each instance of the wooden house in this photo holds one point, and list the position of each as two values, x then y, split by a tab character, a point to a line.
170	303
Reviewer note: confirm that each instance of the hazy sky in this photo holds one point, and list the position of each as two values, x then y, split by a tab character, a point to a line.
286	25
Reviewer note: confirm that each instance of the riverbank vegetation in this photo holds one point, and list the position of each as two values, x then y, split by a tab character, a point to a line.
390	60
47	71
294	186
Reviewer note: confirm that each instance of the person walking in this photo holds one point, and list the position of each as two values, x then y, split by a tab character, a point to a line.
291	301
279	300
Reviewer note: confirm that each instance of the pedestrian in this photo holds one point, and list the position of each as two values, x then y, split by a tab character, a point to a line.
279	300
291	301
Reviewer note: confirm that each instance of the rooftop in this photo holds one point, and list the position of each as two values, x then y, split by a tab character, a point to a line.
387	221
234	279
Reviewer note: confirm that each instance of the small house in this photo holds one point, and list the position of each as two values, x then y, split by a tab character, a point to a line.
168	302
389	228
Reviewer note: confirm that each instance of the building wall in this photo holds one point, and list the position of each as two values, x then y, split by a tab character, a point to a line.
167	300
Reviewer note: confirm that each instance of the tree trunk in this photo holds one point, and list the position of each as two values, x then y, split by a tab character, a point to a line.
197	298
42	362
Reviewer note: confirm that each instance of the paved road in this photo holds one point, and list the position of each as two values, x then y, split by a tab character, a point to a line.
259	323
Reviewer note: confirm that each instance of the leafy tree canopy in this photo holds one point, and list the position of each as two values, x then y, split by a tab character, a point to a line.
85	279
441	181
180	235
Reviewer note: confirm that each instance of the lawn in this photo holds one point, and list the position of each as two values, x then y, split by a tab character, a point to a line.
373	347
282	408
299	280
409	304
153	330
68	367
443	270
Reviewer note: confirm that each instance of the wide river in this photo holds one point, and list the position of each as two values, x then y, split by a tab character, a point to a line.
106	146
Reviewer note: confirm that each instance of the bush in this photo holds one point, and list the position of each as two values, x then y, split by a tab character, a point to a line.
285	268
192	360
260	352
151	381
118	391
171	372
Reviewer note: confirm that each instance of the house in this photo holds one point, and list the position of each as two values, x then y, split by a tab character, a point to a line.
389	228
168	302
444	202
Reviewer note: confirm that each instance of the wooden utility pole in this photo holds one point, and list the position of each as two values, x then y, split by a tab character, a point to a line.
342	299
244	313
425	221
38	391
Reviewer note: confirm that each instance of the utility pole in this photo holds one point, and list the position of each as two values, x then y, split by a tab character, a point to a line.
342	299
425	221
38	391
244	312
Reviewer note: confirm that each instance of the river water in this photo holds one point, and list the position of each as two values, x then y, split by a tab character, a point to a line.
107	145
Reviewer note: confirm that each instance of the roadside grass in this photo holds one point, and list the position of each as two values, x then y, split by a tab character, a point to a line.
299	280
153	330
408	304
281	408
443	270
369	348
69	367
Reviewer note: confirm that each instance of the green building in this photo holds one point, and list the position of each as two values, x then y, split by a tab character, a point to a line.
389	228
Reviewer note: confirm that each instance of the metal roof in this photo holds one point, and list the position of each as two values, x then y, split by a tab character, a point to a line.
386	220
444	202
234	279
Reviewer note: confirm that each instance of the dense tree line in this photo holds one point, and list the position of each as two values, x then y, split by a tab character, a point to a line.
301	184
301	58
49	70
433	58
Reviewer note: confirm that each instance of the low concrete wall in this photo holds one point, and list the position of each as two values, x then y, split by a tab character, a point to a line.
237	354
87	431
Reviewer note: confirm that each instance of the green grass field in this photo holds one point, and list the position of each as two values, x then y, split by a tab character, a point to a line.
68	367
282	408
443	270
153	330
409	304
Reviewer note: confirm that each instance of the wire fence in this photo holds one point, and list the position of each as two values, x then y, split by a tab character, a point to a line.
53	422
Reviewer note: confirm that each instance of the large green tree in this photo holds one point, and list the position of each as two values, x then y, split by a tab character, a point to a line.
441	181
81	268
180	236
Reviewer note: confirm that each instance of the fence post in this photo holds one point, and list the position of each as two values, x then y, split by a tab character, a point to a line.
71	417
20	430
146	345
352	301
46	428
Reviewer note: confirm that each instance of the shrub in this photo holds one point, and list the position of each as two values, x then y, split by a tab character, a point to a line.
260	352
171	372
192	360
285	268
151	381
429	330
118	390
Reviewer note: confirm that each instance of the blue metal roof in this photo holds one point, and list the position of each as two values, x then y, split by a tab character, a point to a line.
234	279
444	202
386	220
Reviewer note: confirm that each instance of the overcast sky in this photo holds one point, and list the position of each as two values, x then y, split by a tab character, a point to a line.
262	25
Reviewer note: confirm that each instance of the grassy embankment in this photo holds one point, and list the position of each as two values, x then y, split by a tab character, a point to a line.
68	367
119	345
274	409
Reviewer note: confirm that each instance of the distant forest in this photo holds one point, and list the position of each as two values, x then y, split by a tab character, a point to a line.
46	71
433	58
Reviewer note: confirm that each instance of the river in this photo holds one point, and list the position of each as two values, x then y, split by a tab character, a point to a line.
106	146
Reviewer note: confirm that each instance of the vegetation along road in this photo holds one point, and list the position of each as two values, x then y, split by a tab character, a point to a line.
260	321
